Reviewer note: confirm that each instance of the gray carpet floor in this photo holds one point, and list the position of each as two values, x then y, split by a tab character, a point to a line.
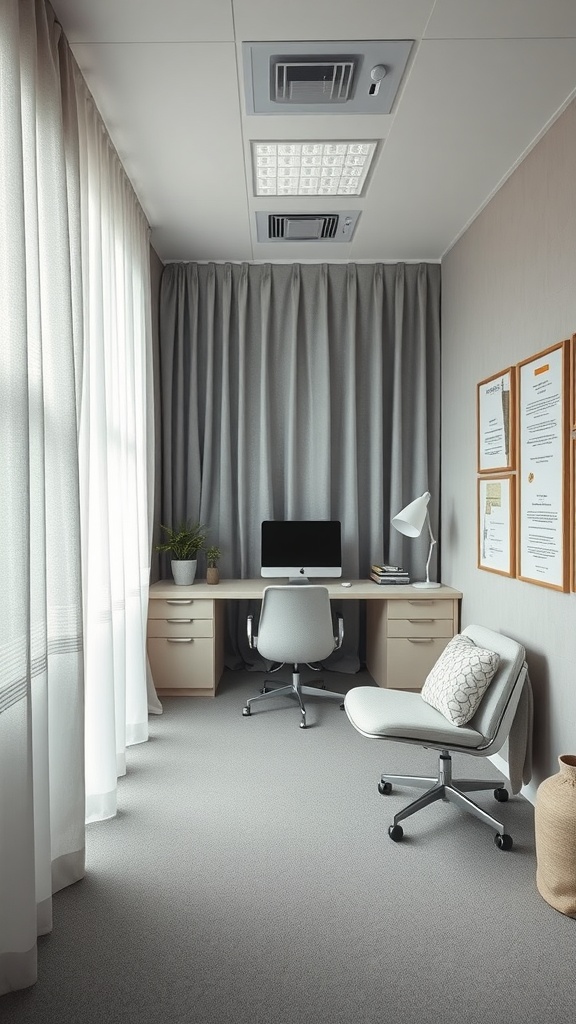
249	878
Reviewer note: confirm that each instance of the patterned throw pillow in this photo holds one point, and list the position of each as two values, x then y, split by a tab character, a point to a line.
459	679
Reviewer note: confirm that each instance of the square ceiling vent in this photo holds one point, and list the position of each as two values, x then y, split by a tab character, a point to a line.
357	77
306	227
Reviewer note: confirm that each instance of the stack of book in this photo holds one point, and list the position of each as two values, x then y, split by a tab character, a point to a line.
389	575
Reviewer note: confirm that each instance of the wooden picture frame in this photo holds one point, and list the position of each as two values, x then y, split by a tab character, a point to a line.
496	523
573	382
496	422
543	508
573	511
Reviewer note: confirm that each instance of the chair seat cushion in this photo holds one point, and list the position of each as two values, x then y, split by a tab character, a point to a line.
379	713
459	679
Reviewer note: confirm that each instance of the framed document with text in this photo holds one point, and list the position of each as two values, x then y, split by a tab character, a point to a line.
543	468
496	418
496	524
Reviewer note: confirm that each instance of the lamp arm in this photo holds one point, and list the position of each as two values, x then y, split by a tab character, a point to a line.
432	543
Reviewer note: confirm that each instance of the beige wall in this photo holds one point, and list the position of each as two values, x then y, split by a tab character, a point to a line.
508	291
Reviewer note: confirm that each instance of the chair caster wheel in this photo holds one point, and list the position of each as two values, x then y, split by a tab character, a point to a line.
341	707
384	788
246	711
396	832
503	842
303	724
501	795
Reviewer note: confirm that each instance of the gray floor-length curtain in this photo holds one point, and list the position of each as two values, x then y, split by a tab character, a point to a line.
300	392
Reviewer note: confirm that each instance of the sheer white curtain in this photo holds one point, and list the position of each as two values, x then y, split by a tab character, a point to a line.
41	681
75	458
115	452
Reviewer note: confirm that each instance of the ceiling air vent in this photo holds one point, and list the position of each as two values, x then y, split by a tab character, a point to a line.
306	227
302	226
315	80
361	76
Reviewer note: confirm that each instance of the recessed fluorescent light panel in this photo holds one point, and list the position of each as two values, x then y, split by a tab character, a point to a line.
311	168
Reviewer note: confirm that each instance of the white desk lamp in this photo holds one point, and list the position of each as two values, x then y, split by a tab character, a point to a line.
410	521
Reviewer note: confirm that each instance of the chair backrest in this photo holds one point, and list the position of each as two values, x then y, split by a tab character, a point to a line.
497	708
295	624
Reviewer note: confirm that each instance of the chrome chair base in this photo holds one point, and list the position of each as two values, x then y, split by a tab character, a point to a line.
444	787
296	691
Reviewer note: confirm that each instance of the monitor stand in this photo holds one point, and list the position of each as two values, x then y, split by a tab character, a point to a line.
295	581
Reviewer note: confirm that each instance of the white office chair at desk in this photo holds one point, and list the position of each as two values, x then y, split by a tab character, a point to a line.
295	627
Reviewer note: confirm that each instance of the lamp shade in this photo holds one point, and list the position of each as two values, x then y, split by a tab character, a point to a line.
412	518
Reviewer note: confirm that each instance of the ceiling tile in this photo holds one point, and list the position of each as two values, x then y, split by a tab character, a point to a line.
469	111
141	21
515	19
324	19
187	167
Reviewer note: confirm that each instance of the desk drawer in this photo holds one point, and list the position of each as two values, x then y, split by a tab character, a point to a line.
420	627
411	659
182	663
437	608
180	608
180	627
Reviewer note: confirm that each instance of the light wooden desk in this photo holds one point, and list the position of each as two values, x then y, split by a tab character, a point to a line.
406	630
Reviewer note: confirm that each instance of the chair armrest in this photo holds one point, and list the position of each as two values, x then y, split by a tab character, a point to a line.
340	637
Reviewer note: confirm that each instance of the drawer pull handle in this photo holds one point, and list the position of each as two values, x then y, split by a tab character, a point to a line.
419	639
179	639
420	620
179	600
177	621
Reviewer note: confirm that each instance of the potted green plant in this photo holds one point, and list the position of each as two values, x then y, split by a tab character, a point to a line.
212	571
184	542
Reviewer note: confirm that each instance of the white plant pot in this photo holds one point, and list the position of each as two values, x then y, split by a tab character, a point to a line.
184	573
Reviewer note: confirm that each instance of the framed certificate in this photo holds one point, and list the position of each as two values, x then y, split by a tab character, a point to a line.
543	468
496	524
496	418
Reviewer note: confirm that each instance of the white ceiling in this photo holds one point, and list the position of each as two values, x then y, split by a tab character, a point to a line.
484	80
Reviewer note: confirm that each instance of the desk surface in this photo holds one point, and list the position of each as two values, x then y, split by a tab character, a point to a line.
361	590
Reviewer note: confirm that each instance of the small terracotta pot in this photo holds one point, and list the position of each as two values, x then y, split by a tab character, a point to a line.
212	574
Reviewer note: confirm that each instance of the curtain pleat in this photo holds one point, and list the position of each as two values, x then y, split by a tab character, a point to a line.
300	391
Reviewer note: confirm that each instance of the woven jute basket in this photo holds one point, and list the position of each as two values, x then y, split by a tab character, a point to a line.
555	824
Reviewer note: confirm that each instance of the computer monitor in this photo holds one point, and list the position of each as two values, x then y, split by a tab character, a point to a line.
301	549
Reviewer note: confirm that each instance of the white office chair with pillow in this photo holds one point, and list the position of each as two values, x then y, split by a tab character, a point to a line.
295	627
477	696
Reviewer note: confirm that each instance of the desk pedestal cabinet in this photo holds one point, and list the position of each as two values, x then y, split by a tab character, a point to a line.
406	631
405	638
185	642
